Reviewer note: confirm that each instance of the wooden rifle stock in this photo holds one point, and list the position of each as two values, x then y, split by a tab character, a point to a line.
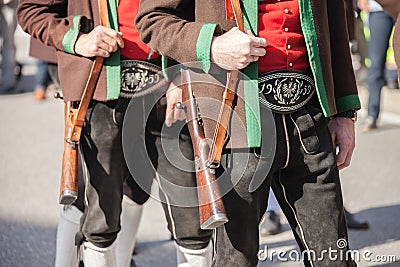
211	207
74	120
69	172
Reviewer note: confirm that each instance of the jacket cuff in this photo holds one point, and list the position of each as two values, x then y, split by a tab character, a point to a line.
348	102
203	45
70	37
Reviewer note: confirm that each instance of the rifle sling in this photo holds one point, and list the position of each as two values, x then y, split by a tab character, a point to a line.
227	100
79	115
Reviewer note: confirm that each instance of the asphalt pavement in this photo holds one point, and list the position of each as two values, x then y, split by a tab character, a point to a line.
30	162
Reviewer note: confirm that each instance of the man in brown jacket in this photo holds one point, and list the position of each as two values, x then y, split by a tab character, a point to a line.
286	43
72	27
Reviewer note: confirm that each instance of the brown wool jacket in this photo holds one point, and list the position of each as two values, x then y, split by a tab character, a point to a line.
57	23
182	30
43	52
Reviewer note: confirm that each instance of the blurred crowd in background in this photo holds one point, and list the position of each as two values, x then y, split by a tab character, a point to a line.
11	70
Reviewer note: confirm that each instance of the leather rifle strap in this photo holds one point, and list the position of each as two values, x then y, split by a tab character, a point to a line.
237	11
227	100
80	114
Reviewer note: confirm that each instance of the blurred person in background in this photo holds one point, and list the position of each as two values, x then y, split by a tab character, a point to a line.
359	46
8	24
47	70
392	7
271	223
42	80
381	26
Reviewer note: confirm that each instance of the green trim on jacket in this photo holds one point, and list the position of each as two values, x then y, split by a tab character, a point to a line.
113	69
70	37
203	45
310	36
347	102
252	104
164	66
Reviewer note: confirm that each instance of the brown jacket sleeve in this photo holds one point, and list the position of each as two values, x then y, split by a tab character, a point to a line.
47	21
179	41
342	68
350	16
43	52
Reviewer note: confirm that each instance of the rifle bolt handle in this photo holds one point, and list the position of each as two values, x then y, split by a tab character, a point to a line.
179	105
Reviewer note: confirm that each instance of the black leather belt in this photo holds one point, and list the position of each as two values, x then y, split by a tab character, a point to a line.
137	75
285	91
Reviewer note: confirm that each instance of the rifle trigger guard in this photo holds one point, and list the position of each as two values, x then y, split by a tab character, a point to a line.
213	166
73	144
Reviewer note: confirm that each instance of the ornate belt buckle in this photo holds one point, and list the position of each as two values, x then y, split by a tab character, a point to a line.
285	91
136	75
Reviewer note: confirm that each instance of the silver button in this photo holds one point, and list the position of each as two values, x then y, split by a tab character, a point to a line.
289	46
286	11
286	29
290	64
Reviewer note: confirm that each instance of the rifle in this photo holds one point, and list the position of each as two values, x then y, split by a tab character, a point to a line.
74	120
234	12
69	171
211	207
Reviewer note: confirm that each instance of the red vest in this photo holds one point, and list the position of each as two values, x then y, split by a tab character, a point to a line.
134	48
279	23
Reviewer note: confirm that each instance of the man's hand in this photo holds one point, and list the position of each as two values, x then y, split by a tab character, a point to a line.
235	49
363	5
174	95
343	137
101	41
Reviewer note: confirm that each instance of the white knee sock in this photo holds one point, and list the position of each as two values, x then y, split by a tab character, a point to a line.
68	226
194	258
94	256
130	219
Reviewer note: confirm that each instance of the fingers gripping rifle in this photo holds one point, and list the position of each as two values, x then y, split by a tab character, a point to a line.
211	207
74	120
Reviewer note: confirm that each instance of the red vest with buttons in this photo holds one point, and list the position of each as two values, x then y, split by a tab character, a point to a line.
279	23
134	48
